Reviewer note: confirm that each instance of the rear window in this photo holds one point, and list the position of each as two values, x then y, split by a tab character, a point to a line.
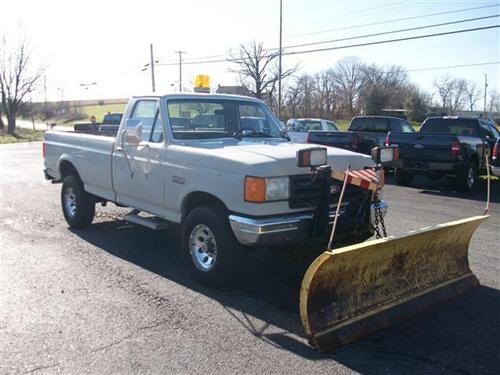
450	126
306	125
370	124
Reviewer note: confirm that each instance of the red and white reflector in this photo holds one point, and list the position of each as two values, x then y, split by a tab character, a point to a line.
364	178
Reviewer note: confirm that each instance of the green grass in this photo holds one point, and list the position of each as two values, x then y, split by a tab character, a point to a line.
343	124
21	135
100	110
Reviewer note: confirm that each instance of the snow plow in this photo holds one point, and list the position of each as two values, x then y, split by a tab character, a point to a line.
353	291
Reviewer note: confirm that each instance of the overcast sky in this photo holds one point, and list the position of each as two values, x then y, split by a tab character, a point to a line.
108	41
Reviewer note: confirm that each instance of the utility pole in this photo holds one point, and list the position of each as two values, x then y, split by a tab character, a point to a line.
279	59
180	69
152	67
485	94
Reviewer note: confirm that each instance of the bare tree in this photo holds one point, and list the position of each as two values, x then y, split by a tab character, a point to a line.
494	101
444	86
257	68
17	78
348	77
457	94
473	94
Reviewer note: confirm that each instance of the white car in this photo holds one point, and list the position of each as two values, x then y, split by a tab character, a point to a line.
221	166
297	128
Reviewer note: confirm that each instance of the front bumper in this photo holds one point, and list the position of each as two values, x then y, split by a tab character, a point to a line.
281	230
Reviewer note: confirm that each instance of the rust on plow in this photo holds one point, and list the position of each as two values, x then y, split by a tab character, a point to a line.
356	290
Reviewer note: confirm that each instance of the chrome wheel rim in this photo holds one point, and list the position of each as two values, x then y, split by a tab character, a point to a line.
470	178
70	202
203	247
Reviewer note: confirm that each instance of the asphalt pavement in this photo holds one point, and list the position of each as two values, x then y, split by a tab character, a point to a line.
113	298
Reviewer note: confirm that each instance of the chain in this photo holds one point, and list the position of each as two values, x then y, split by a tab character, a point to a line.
379	221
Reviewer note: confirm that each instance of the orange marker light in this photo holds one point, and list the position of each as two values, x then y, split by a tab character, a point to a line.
255	189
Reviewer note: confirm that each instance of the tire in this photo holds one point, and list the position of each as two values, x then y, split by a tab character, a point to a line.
466	180
78	206
403	178
205	232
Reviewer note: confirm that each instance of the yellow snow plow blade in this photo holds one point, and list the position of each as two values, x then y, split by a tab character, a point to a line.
356	290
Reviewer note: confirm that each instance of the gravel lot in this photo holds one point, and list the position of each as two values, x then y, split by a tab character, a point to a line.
113	298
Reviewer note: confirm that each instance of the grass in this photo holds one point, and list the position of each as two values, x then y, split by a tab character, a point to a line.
21	135
100	110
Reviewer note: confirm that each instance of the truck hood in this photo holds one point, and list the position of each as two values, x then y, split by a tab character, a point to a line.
258	157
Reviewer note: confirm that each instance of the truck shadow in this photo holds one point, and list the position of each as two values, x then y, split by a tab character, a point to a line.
446	188
459	336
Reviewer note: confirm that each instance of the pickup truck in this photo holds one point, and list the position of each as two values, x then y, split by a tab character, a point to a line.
450	146
190	160
363	134
298	128
110	124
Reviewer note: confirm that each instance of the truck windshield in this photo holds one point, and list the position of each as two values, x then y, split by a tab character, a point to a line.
454	126
206	118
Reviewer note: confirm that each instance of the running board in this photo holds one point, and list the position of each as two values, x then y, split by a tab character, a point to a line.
151	222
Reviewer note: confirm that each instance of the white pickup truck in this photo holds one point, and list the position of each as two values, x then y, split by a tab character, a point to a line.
201	161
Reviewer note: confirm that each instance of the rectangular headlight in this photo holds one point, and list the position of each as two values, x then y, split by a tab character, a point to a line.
311	157
262	189
277	188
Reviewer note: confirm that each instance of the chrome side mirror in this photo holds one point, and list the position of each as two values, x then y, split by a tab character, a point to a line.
132	134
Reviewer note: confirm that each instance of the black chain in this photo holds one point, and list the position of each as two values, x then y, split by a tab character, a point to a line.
379	221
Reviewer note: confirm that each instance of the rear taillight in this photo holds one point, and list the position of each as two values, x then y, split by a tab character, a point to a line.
455	147
43	150
354	142
495	151
387	140
307	138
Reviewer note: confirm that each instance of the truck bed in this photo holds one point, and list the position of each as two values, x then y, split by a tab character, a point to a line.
90	154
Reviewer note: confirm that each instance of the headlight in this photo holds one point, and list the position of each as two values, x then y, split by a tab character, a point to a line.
260	189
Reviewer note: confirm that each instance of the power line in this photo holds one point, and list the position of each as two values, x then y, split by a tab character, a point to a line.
392	40
354	45
392	31
392	21
451	66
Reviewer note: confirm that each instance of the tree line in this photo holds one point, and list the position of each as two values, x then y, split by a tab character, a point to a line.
352	87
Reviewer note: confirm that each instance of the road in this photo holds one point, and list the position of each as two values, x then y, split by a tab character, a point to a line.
113	298
25	124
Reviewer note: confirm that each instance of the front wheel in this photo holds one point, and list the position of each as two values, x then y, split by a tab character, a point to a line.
210	251
78	206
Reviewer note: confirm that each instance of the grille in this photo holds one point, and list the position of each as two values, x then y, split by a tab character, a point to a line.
304	192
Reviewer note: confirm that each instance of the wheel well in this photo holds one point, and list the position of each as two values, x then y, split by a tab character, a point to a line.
67	169
197	199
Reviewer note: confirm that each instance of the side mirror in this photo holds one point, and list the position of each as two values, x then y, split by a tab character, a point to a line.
381	155
132	134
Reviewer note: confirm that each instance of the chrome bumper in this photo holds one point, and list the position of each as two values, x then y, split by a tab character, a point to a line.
281	230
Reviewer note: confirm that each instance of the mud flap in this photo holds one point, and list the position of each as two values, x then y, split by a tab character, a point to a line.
353	291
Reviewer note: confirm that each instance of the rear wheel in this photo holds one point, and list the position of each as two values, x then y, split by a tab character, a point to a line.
403	178
78	206
467	178
210	251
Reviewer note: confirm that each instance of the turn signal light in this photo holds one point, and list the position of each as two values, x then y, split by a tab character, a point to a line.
255	189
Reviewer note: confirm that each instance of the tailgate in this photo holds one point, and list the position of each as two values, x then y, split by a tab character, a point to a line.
423	147
334	139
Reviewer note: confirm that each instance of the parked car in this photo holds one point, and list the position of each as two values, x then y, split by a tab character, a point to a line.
495	159
110	124
364	133
230	189
445	147
298	128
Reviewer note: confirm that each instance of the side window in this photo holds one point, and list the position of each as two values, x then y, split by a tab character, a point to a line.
157	132
486	130
331	126
495	131
146	111
406	127
395	125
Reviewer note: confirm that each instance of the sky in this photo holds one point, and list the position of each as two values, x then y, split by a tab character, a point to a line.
108	42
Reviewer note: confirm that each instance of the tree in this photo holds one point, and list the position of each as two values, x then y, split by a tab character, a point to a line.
494	101
257	68
17	78
348	76
458	94
473	94
417	103
444	86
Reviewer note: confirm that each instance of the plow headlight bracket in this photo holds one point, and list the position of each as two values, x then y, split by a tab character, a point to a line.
311	157
386	154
